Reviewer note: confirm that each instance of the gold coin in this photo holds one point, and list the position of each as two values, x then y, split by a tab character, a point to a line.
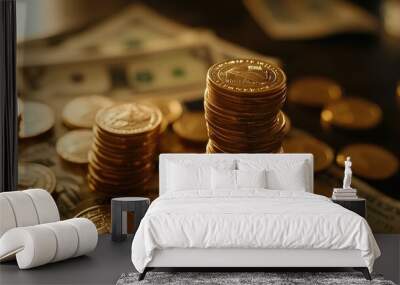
192	127
246	75
81	112
352	113
369	161
33	175
129	118
300	142
170	108
314	91
100	215
74	146
67	194
37	118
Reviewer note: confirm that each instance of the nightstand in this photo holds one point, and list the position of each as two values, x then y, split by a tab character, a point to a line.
119	208
358	205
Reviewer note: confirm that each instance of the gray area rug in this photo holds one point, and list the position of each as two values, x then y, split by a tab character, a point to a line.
273	278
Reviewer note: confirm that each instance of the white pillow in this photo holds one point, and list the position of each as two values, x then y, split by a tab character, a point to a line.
292	179
251	178
181	177
223	179
281	175
193	174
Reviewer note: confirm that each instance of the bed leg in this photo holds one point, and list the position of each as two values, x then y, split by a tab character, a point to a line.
143	274
364	271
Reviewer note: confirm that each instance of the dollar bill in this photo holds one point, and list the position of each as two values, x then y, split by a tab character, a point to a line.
176	69
223	49
309	18
136	28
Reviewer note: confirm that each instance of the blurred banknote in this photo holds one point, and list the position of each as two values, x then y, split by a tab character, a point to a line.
136	28
134	31
223	49
171	70
305	19
176	68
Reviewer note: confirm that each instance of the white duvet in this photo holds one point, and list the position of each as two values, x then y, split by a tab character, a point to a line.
250	219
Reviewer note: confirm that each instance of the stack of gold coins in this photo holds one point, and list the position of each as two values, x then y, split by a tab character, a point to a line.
242	105
124	148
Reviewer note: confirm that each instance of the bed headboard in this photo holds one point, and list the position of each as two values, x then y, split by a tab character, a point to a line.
212	157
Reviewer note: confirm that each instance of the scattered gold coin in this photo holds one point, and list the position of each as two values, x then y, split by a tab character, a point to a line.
170	108
300	142
100	215
314	91
67	194
34	175
369	161
192	127
352	113
81	112
37	118
74	146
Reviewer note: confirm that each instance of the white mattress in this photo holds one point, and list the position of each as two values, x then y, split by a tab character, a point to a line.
253	219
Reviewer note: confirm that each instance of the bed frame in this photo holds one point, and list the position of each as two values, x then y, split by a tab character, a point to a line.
242	259
246	259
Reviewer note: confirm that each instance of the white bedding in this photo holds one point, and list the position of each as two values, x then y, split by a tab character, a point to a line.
250	219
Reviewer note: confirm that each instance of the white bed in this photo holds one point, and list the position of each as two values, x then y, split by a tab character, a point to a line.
249	227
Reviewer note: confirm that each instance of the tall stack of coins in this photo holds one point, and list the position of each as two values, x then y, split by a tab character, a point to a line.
242	105
124	148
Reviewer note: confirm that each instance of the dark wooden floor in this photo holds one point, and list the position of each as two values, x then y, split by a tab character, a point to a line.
110	260
103	266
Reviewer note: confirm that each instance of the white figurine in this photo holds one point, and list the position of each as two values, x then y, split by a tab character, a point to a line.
347	174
